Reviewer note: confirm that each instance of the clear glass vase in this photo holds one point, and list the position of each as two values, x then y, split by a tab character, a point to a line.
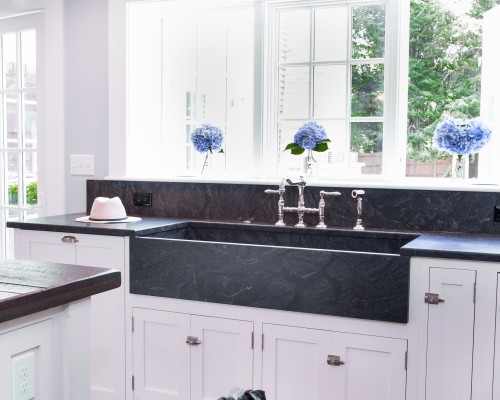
460	168
205	168
310	166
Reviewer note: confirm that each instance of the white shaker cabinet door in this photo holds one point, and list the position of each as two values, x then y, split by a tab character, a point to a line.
373	367
295	363
224	358
450	334
161	355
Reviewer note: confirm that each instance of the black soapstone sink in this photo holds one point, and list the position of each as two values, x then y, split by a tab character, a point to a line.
347	273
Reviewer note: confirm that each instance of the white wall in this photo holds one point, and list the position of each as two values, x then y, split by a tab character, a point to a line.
85	92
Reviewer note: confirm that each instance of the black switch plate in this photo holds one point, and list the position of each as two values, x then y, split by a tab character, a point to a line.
143	199
496	213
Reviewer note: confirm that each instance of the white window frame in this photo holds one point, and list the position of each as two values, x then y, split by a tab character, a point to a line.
392	162
18	25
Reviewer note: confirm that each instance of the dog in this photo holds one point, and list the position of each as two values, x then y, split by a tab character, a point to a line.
239	394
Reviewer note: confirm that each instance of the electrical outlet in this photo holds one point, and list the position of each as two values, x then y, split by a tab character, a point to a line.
143	199
23	376
496	213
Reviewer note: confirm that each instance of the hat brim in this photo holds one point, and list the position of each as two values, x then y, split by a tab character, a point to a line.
128	219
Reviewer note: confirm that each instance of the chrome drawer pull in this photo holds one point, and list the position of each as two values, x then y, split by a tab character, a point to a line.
69	239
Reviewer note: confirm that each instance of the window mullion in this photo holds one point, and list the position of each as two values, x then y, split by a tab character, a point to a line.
311	59
348	91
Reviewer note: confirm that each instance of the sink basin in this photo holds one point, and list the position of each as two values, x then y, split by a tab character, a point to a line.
333	272
309	238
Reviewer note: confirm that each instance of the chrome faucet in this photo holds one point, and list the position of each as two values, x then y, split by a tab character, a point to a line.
358	194
301	209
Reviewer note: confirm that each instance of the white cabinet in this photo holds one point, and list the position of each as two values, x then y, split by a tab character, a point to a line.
107	309
166	367
450	334
301	363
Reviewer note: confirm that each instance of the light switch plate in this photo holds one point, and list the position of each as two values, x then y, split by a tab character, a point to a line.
82	164
23	376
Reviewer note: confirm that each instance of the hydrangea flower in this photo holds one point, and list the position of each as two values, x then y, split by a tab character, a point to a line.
207	138
461	137
310	136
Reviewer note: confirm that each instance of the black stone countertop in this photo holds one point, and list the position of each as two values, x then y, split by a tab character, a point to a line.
445	245
27	287
67	223
456	246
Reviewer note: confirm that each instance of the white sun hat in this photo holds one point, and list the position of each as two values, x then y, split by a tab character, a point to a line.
106	211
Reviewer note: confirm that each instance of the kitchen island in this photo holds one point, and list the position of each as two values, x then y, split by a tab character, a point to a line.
44	328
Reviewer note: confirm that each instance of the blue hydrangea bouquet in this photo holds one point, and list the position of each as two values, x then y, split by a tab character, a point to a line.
311	137
207	139
461	137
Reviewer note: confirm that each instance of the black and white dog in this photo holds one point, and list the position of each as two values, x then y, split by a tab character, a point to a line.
238	394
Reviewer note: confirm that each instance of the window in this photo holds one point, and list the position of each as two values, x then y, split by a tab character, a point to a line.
328	65
449	75
200	70
260	69
18	129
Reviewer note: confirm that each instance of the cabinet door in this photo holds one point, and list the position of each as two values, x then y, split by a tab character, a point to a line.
374	367
161	355
107	317
223	360
295	363
450	334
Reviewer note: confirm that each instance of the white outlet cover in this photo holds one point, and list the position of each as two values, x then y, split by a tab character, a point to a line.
81	164
23	376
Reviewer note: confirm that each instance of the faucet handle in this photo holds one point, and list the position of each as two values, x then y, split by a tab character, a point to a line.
322	194
300	182
271	191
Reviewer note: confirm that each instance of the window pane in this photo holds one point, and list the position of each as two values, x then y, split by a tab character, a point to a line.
366	148
293	92
330	85
29	119
28	54
12	171
294	36
286	161
367	90
453	73
330	34
30	178
368	32
11	105
333	162
9	61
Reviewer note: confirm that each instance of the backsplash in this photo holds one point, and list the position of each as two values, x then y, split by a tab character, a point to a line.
398	209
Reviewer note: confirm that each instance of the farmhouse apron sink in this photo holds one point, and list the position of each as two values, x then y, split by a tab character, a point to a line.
334	272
